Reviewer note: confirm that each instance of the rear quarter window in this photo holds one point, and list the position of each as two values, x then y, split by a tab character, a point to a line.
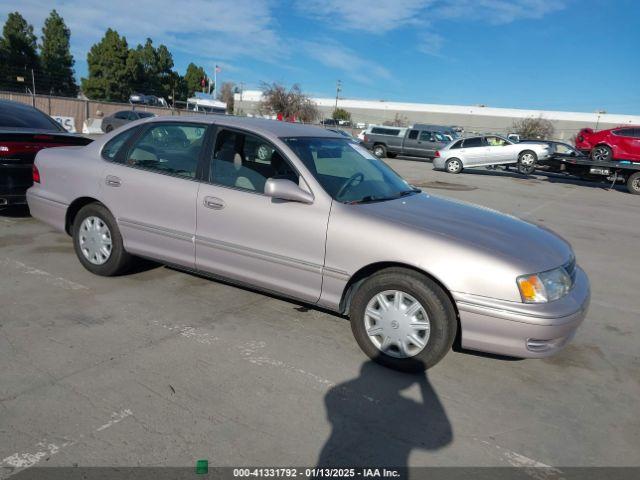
113	146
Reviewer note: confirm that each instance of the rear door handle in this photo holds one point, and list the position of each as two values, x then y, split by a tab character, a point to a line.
113	181
214	203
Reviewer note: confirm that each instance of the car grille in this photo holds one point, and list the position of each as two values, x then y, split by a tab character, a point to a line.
570	268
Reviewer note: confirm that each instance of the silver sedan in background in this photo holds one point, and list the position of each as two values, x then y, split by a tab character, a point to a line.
305	213
489	150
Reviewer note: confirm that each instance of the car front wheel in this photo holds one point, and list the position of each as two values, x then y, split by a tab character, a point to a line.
98	243
403	320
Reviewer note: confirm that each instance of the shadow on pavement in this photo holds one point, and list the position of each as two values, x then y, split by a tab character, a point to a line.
375	424
21	211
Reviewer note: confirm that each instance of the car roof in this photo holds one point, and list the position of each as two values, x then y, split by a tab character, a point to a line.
264	126
16	105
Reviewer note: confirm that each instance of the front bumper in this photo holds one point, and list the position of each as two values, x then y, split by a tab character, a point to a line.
519	329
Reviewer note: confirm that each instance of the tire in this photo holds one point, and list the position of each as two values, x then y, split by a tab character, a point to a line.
380	151
415	287
109	128
453	165
118	260
633	183
527	161
601	153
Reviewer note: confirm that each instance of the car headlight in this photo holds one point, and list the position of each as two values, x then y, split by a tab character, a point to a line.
544	287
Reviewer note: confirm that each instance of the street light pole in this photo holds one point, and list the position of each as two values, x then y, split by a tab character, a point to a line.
338	90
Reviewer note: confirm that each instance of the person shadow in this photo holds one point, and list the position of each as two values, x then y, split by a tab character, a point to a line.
375	425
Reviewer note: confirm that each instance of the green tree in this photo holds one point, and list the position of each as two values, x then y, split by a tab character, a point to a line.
193	79
226	93
110	74
151	69
341	114
55	57
19	50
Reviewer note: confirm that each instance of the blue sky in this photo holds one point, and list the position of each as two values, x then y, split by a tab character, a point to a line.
579	55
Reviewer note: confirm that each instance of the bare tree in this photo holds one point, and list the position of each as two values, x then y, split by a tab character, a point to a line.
227	90
292	103
533	128
398	121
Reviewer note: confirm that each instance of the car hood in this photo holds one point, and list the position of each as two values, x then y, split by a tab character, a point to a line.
531	246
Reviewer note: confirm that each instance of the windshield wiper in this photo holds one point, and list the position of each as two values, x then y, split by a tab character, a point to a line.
373	198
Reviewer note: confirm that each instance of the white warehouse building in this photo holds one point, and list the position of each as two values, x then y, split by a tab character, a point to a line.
471	118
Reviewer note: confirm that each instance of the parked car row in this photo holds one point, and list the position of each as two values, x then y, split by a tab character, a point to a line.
612	154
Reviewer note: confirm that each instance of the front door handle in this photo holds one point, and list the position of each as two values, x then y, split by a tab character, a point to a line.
214	203
113	181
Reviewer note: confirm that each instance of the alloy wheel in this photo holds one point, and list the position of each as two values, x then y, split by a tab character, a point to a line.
453	166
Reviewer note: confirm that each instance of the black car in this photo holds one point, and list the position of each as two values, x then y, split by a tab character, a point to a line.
24	131
559	151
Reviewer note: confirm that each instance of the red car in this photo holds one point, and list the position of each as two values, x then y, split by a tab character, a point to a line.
620	143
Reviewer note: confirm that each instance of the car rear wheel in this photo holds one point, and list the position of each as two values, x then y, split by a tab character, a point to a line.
633	183
527	162
601	153
403	320
98	243
109	128
380	151
453	165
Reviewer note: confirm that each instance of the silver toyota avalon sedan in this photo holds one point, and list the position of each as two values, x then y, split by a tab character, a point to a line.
305	213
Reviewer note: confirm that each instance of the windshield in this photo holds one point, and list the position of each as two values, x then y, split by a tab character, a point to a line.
347	171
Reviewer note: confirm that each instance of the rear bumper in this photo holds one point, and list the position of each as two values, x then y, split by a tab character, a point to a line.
7	200
523	330
49	211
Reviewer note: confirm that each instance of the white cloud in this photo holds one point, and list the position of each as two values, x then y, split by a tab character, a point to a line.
336	56
430	43
497	11
374	16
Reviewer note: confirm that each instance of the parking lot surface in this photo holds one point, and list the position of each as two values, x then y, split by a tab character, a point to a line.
162	367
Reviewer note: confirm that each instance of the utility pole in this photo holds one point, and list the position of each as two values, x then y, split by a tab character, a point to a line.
241	92
338	90
33	84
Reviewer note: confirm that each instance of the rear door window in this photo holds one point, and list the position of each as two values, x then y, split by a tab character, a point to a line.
413	134
168	148
473	142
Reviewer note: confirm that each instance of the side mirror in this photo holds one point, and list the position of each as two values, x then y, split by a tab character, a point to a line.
286	190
